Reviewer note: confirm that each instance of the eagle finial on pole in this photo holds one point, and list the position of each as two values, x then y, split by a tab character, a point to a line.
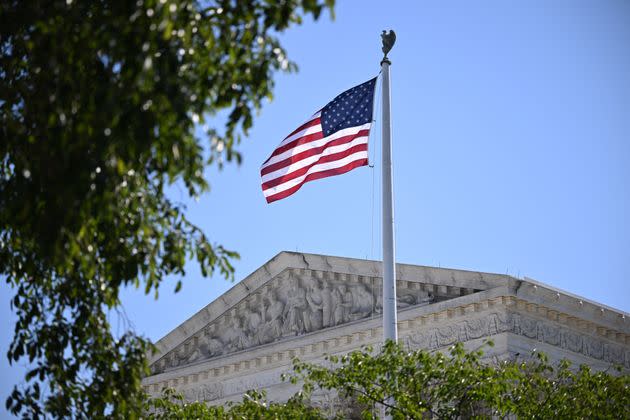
388	41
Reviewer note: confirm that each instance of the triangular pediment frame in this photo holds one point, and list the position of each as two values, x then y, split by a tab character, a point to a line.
295	294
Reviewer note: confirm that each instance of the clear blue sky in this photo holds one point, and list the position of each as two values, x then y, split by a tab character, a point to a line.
511	152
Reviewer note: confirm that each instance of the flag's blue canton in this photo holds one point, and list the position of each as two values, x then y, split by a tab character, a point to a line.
350	109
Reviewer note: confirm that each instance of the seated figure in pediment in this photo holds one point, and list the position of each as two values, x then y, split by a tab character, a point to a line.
362	301
254	323
272	329
233	336
208	347
405	300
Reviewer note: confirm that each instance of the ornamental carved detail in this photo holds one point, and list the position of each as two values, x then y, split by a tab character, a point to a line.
468	329
295	303
536	329
206	392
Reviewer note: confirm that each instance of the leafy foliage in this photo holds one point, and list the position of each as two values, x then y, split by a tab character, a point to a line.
409	384
420	384
416	384
253	406
98	107
565	392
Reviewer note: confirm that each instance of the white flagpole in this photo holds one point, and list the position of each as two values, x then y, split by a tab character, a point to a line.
390	330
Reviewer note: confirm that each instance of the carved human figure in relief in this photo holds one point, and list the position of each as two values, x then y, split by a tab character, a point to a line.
208	347
362	301
179	357
405	299
314	316
327	306
214	346
255	323
273	317
294	310
233	336
342	304
195	354
349	303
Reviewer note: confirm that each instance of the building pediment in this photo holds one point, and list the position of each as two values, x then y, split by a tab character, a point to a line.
296	294
310	306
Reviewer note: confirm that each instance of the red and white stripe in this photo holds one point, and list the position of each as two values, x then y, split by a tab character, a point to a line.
306	155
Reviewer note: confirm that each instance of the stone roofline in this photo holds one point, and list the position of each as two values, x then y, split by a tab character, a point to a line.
346	337
527	289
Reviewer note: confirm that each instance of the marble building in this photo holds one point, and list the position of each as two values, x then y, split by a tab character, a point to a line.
308	305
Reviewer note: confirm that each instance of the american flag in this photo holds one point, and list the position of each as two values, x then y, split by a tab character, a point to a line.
332	142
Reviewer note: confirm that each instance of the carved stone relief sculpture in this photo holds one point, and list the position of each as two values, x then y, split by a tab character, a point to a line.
207	392
294	310
294	305
539	330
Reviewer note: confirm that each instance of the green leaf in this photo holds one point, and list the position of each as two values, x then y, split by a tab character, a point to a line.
97	122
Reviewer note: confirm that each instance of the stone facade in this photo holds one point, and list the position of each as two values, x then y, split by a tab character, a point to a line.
309	305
